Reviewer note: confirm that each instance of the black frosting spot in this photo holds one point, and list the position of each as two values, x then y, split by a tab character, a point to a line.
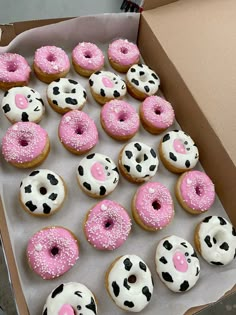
116	170
129	304
40	100
92	306
56	90
139	168
72	81
102	191
54	102
58	290
167	277
147	293
152	168
125	284
52	179
81	170
73	91
141	73
116	288
91	82
24	116
184	286
87	185
132	70
207	240
154	76
37	109
166	137
145	157
194	254
30	206
127	167
197	272
146	88
207	219
45	311
172	156
78	293
102	92
167	245
33	173
153	153
84	94
46	208
53	196
138	146
28	189
5	94
6	108
184	244
97	72
151	82
142	266
116	94
163	260
222	221
217	263
224	246
140	65
233	231
134	81
108	160
128	264
129	154
187	163
90	156
71	101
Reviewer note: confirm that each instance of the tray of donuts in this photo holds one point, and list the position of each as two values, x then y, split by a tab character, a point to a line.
101	180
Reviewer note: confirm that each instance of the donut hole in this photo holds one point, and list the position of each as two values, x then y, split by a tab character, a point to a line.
139	158
143	78
157	110
199	190
79	130
11	67
51	58
54	251
23	142
66	89
122	117
156	205
108	224
132	279
124	50
87	54
42	190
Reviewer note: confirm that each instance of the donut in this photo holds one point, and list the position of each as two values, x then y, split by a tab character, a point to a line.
152	206
42	192
178	152
14	71
195	192
215	240
106	86
25	145
70	298
97	175
65	94
52	251
77	132
87	58
50	63
123	54
177	264
142	81
156	114
119	120
107	225
138	162
129	283
23	104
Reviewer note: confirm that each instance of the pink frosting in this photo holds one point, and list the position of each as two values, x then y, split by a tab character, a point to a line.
154	205
197	190
52	251
98	172
51	59
123	52
108	225
88	56
180	261
107	82
13	68
120	118
158	112
23	142
179	146
66	309
78	131
21	101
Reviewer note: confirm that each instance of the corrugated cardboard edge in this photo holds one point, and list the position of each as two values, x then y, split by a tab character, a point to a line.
151	4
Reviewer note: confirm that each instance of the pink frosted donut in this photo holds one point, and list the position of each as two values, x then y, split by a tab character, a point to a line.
123	54
119	119
107	225
52	251
195	192
14	71
87	58
156	114
77	132
25	144
51	63
152	206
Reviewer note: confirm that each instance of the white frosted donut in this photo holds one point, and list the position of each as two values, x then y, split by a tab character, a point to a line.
177	263
130	283
97	175
70	298
42	192
215	239
23	104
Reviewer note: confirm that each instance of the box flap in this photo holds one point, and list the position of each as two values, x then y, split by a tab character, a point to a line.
151	4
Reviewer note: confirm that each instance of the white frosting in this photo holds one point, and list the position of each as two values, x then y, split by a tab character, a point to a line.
139	160
217	240
133	297
42	192
67	93
143	79
170	275
186	156
30	105
74	295
97	174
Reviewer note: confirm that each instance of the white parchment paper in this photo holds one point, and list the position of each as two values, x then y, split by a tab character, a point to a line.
92	264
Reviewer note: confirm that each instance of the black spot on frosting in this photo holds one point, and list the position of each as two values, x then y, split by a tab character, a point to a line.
222	221
184	286
166	137
90	156
129	154
142	266
127	167
154	76
134	81
71	101
139	168
72	81
46	208
87	185
138	146
53	196
197	272
184	244
147	293
92	306
207	240
30	206
153	153
45	311
187	163
102	92
167	245
102	191
116	94
91	82
78	293
33	173
58	290
163	260
55	102
207	219
233	231
128	264
224	246
116	288
81	170
52	179
24	116
167	277
28	189
217	263
130	304
132	70
56	90
6	108
172	156
84	94
125	284
152	168
146	88
141	73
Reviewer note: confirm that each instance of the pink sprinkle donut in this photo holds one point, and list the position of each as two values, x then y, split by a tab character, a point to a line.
51	63
123	54
77	132
107	225
87	58
14	71
25	144
119	119
156	114
195	192
152	206
52	251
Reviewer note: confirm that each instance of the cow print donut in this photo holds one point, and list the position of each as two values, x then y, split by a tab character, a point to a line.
70	298
97	175
215	239
129	283
23	104
178	151
42	192
138	162
66	94
177	263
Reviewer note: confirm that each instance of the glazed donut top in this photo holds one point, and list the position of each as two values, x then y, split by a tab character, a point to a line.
123	52
88	56
51	59
217	239
23	104
70	298
179	149
177	263
130	283
13	68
